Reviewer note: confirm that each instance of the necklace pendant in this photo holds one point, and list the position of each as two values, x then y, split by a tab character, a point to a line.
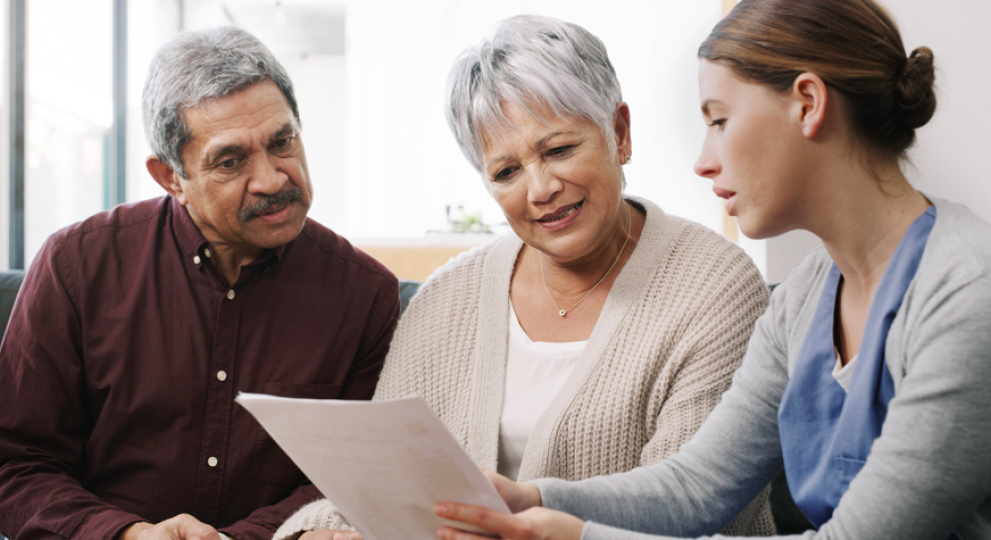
562	313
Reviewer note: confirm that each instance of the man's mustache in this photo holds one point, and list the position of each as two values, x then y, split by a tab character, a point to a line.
278	199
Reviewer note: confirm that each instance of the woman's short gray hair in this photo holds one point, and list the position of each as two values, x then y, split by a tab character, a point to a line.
198	66
533	62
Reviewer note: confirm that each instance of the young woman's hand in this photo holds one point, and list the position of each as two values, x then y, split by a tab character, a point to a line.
518	496
531	524
331	535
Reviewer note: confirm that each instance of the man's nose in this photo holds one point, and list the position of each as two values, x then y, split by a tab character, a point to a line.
266	177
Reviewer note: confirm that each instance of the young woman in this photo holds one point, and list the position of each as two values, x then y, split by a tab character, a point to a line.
866	378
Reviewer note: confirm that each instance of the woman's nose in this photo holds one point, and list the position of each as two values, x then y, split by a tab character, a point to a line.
707	165
543	185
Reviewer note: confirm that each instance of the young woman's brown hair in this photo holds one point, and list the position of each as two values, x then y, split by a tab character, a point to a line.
853	45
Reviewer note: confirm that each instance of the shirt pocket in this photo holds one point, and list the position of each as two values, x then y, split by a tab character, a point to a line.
846	468
271	464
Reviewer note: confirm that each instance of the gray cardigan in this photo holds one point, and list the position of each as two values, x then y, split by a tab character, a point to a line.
929	473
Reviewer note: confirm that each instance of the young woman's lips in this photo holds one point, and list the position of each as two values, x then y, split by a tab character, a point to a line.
730	197
562	217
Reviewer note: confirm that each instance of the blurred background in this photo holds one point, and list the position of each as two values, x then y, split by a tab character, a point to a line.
369	76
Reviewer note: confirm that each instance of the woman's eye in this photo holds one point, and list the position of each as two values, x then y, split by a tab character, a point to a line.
560	150
504	174
717	122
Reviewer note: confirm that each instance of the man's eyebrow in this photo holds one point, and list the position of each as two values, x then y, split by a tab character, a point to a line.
214	153
287	129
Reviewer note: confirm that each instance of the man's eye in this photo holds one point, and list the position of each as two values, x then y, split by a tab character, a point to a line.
228	163
282	143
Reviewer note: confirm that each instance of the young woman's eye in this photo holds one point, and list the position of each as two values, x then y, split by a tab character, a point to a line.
717	122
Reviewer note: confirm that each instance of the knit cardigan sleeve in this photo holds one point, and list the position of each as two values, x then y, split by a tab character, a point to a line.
700	369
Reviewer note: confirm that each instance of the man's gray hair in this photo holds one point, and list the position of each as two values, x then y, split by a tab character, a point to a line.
534	62
198	66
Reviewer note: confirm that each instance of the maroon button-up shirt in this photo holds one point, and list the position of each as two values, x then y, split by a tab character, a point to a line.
126	349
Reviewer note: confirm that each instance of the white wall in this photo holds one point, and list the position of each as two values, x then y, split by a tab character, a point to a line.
947	157
384	164
403	164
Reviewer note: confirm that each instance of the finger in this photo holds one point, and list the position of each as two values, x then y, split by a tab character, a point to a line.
450	533
479	516
331	535
318	535
133	531
504	487
187	527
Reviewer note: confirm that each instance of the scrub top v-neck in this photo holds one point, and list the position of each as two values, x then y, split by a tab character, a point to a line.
827	432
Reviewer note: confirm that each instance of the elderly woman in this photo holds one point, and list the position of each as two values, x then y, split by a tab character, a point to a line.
867	377
600	336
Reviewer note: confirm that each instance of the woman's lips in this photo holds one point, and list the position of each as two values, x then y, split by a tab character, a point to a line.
730	197
562	218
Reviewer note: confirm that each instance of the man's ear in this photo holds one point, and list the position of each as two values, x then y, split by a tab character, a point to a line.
811	98
166	177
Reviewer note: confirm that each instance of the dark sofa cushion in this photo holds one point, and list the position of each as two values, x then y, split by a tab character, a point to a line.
10	282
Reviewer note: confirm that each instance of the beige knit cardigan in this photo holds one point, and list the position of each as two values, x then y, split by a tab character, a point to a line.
670	335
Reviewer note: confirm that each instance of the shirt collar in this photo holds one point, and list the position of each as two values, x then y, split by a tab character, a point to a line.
195	247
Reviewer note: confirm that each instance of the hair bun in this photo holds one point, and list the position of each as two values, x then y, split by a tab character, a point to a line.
915	93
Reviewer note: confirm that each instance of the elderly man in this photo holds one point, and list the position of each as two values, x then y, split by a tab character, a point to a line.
136	328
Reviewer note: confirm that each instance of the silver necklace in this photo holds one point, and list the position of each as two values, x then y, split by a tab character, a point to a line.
563	312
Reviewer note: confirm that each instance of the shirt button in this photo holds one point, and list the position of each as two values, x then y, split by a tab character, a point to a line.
221	375
211	461
196	259
230	294
207	252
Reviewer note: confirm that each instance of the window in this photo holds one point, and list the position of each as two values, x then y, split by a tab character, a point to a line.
369	77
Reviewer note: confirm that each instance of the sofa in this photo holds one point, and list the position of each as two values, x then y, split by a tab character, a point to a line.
787	516
10	282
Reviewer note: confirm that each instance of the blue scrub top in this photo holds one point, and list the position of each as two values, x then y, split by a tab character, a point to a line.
826	433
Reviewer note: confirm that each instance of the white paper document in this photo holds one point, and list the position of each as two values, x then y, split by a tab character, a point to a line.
385	464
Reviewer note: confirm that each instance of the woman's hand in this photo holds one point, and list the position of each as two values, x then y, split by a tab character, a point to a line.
532	524
518	497
331	535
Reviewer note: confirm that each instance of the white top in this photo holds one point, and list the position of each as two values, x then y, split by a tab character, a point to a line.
844	374
535	373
